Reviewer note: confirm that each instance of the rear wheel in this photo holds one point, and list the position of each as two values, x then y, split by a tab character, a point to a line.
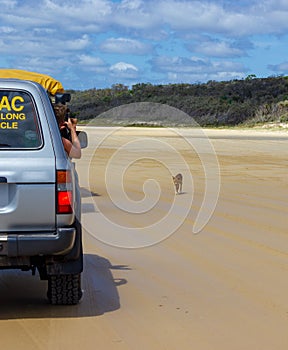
64	289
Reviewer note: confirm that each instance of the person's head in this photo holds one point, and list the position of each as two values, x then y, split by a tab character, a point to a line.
60	112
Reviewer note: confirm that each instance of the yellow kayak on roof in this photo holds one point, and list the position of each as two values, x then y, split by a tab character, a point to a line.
50	84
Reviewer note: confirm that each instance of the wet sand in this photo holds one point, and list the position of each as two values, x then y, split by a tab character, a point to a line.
149	285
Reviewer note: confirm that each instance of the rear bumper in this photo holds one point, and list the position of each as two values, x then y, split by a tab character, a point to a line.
38	243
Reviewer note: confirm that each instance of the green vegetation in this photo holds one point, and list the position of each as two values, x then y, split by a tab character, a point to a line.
238	102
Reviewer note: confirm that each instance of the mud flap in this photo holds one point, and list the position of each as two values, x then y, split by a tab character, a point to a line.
71	263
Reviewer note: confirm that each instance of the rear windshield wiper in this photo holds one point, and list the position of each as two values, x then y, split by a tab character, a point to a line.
4	145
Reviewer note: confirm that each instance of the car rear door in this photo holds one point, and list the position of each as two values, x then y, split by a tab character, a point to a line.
27	166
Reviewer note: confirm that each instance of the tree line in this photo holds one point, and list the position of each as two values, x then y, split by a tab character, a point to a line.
247	101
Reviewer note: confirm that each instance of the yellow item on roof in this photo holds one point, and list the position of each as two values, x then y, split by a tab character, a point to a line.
50	84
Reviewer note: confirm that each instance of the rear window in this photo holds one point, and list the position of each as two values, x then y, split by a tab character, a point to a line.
19	125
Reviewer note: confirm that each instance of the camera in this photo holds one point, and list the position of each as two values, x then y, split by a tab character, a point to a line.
62	98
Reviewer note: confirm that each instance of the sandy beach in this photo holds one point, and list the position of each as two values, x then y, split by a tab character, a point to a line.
205	269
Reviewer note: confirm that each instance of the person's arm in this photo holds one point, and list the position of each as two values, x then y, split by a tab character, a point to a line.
72	148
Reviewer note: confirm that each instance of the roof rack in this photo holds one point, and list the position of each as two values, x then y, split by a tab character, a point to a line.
52	85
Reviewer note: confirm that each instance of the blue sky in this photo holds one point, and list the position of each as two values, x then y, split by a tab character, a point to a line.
97	43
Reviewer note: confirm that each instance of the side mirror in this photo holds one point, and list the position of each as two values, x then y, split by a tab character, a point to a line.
82	136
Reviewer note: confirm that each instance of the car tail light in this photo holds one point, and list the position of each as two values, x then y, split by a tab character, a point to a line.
64	189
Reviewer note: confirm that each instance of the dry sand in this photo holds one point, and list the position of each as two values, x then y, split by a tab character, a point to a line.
224	288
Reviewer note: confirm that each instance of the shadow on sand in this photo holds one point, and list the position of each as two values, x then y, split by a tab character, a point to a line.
87	193
24	296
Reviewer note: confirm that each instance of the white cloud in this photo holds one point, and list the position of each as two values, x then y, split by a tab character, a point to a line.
90	60
203	77
123	67
189	14
125	46
179	64
40	65
9	4
93	16
212	17
197	69
7	30
49	33
77	44
124	70
92	64
44	31
99	15
83	10
280	68
136	15
131	4
217	48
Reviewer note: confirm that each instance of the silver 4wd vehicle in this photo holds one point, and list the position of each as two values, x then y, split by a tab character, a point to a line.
40	206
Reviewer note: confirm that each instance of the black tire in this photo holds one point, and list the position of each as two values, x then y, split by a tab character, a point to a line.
64	289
